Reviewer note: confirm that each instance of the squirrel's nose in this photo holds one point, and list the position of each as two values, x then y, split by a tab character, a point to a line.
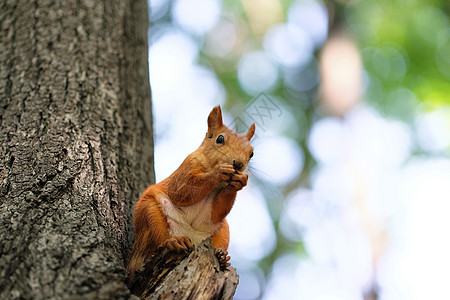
238	165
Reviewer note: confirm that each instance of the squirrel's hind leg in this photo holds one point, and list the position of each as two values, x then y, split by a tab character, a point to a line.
220	241
178	244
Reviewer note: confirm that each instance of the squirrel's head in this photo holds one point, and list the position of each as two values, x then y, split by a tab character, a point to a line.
224	145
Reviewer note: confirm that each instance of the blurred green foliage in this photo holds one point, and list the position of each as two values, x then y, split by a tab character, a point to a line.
405	44
405	47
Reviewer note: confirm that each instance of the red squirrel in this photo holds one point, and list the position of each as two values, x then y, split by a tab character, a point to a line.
192	203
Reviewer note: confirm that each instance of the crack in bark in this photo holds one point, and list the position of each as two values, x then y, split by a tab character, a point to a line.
10	60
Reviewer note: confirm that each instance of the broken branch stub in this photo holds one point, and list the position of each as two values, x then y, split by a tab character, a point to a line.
189	275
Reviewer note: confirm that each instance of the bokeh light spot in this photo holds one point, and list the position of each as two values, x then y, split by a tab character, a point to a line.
170	57
312	17
257	73
433	130
196	16
285	161
253	234
289	45
327	140
221	39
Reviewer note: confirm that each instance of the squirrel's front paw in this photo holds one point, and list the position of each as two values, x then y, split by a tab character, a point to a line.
178	244
222	256
225	172
239	180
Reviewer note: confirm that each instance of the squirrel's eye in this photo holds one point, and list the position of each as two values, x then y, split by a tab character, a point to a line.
220	140
251	155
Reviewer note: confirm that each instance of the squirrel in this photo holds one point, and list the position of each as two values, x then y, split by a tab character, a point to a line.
192	203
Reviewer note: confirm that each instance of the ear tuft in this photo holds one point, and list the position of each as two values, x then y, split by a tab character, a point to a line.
250	132
214	120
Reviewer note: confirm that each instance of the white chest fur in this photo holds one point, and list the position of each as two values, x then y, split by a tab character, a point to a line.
192	221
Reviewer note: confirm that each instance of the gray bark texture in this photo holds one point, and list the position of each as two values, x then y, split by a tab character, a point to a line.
181	276
76	150
76	145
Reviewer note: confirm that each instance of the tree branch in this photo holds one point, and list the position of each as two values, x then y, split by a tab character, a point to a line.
194	275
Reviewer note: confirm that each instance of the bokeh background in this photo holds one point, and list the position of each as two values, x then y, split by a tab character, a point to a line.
349	196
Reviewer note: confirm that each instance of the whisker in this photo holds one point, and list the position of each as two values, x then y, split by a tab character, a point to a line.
263	181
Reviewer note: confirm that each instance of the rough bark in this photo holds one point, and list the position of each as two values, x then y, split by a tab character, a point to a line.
193	275
76	146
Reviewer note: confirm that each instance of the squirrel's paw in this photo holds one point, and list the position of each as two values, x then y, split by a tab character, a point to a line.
222	256
239	180
178	244
225	172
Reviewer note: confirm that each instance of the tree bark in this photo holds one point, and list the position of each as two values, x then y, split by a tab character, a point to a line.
76	145
190	275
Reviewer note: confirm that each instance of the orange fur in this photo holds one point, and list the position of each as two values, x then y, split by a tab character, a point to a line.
221	239
197	197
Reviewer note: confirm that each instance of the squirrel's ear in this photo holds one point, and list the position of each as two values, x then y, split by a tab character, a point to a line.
250	132
214	120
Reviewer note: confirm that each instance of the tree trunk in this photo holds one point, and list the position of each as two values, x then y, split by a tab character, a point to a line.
76	145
